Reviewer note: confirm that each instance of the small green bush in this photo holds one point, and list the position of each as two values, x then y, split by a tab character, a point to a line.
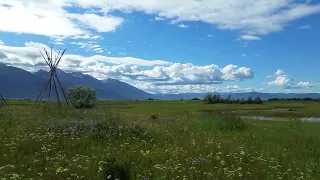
82	97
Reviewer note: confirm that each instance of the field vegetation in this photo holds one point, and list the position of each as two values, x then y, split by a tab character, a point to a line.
159	140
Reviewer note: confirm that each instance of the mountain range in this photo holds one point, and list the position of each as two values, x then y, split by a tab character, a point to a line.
20	84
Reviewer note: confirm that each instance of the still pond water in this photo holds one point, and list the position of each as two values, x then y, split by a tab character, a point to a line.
309	119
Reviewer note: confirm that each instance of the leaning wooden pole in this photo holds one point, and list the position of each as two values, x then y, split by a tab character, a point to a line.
3	101
50	89
44	88
56	65
64	93
57	92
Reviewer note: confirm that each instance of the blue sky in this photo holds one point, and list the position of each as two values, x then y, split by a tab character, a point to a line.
171	47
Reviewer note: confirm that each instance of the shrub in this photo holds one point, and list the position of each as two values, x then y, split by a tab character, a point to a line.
195	99
208	99
216	98
250	100
228	100
212	99
82	96
258	100
242	101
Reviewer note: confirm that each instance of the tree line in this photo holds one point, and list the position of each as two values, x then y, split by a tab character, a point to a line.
216	99
294	99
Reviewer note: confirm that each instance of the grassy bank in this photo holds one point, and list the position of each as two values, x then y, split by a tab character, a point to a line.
120	139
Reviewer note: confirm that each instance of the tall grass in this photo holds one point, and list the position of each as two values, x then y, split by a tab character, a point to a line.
231	122
102	144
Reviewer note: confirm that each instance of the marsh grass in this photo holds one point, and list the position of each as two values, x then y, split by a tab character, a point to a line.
223	121
295	123
231	123
62	143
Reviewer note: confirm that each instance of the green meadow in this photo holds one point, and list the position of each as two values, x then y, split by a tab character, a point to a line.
159	140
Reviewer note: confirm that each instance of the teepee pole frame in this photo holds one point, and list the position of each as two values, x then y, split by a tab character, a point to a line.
53	83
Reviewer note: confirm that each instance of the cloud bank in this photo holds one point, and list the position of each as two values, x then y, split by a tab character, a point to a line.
57	18
143	73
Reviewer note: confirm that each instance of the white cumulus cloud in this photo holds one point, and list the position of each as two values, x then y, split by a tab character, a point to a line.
50	18
90	45
284	81
36	45
98	23
305	27
157	18
40	18
250	38
183	26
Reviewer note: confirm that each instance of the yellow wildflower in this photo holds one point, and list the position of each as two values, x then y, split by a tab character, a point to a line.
59	170
100	169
